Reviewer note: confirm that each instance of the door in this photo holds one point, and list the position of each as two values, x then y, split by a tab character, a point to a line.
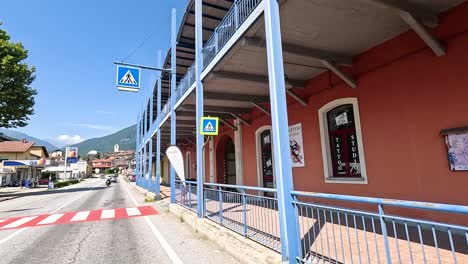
230	163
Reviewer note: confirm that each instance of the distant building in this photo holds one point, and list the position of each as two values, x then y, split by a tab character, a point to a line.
21	160
123	160
57	157
56	154
100	165
79	169
116	148
92	154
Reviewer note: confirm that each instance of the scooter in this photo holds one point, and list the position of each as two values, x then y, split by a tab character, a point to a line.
108	182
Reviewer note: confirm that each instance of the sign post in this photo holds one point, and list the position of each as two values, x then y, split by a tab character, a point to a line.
71	156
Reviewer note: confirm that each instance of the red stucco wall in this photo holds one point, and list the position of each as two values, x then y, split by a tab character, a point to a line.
406	95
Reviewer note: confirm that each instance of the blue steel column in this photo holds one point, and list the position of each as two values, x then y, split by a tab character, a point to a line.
173	99
145	157
199	102
137	150
279	120
141	147
140	150
150	156
158	134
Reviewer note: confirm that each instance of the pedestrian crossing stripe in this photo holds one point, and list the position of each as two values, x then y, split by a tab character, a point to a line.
209	126
75	217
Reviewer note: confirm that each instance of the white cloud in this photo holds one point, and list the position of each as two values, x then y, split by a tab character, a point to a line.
95	126
68	139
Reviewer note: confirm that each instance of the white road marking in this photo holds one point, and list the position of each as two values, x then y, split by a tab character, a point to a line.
2	220
167	248
80	216
133	211
50	219
54	211
106	214
19	222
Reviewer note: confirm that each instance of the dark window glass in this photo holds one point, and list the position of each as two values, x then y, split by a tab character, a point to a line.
343	142
267	159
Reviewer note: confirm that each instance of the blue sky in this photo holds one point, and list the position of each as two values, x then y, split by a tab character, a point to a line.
73	44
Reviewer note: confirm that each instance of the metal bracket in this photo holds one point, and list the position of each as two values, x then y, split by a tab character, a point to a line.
228	124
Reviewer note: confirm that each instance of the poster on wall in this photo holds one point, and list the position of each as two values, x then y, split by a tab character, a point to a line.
457	145
296	145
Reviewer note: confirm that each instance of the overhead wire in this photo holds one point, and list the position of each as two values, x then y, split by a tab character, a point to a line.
156	29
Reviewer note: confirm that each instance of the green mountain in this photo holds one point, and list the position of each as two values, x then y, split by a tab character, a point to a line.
19	136
126	138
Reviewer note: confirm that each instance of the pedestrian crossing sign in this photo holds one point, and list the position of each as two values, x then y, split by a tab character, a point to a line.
209	126
128	78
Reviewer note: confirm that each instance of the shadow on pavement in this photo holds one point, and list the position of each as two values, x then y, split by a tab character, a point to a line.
46	191
19	210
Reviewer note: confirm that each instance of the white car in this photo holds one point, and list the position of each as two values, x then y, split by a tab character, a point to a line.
112	177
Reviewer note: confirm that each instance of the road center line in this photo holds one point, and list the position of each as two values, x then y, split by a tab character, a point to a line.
167	248
52	212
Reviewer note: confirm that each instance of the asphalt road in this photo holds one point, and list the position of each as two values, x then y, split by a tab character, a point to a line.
158	239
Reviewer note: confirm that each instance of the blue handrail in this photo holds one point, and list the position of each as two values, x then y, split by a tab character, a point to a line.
461	209
250	188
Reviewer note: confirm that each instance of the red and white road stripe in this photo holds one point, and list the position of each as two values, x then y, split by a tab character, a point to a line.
75	217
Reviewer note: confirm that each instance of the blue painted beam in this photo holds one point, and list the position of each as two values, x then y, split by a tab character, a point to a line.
158	135
199	101
173	101
150	156
137	152
279	120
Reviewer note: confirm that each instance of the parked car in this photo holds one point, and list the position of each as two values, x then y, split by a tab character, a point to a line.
43	181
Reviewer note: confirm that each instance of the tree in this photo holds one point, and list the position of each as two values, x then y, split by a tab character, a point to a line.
16	94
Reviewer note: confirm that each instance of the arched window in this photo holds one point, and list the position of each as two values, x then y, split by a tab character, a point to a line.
265	157
342	147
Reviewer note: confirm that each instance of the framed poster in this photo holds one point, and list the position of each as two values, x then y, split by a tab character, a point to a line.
457	146
296	145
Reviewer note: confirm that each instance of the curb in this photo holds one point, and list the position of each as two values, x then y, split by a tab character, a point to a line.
244	249
148	194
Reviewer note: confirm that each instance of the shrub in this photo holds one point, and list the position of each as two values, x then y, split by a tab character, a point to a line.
65	183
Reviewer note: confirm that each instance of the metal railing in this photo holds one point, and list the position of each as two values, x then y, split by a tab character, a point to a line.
234	18
186	194
336	234
249	211
166	109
